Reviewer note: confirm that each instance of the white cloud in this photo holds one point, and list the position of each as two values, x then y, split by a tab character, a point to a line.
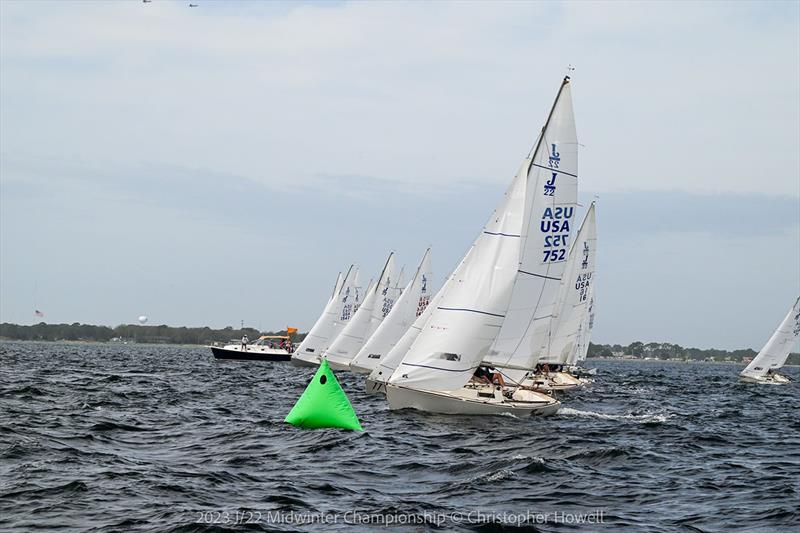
695	97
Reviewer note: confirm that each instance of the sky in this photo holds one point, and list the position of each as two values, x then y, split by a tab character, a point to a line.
220	164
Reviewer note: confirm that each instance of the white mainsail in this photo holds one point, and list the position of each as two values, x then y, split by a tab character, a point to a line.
411	303
464	325
376	305
545	236
571	309
774	354
329	322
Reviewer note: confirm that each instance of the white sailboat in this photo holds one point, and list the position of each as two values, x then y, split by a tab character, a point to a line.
409	305
377	303
584	337
336	313
571	311
763	368
503	289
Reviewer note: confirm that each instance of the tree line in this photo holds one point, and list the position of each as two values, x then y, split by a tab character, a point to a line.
171	335
666	350
132	333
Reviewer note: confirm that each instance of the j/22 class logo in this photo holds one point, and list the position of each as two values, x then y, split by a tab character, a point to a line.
552	162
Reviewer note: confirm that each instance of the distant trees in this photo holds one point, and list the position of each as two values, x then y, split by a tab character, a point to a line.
665	350
162	334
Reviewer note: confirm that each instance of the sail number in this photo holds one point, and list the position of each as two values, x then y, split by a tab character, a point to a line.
555	225
582	284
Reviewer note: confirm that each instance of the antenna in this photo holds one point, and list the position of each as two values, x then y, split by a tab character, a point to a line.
570	68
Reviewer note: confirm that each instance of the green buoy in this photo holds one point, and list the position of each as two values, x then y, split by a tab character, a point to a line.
323	404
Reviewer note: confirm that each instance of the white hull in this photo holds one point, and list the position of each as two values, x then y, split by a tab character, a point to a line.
375	387
487	400
301	362
772	379
560	381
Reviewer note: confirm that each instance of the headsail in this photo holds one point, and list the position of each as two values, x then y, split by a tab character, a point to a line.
367	318
327	325
552	179
774	354
464	323
411	303
571	309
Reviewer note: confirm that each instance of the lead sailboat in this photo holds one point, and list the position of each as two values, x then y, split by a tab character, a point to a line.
763	368
336	313
504	287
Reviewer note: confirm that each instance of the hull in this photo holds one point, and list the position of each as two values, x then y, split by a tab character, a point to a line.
375	387
301	362
250	355
468	401
554	381
772	379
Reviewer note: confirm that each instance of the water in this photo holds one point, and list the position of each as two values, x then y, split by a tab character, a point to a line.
160	438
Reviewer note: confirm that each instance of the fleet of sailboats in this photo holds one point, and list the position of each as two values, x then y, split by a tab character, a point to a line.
512	322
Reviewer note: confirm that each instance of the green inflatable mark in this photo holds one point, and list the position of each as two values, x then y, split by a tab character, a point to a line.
323	404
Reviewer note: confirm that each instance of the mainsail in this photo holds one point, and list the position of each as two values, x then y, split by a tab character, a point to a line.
549	213
376	305
328	324
571	309
774	354
585	335
411	303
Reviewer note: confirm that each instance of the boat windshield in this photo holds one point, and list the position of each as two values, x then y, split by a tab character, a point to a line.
272	342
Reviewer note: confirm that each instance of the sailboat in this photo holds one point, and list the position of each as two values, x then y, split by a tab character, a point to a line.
336	313
505	287
409	305
763	368
571	311
584	337
377	304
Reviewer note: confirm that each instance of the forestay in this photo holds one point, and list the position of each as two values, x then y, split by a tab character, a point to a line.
410	304
376	305
572	304
774	354
326	326
552	182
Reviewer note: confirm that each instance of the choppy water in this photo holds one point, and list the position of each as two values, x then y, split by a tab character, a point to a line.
158	438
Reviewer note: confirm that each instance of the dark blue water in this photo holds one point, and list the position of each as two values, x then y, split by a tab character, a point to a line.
157	438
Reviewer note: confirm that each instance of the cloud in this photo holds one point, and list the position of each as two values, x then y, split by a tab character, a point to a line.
693	97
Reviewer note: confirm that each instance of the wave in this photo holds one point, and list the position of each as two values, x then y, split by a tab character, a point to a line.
644	418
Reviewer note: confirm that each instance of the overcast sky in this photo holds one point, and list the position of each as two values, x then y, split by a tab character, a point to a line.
208	165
